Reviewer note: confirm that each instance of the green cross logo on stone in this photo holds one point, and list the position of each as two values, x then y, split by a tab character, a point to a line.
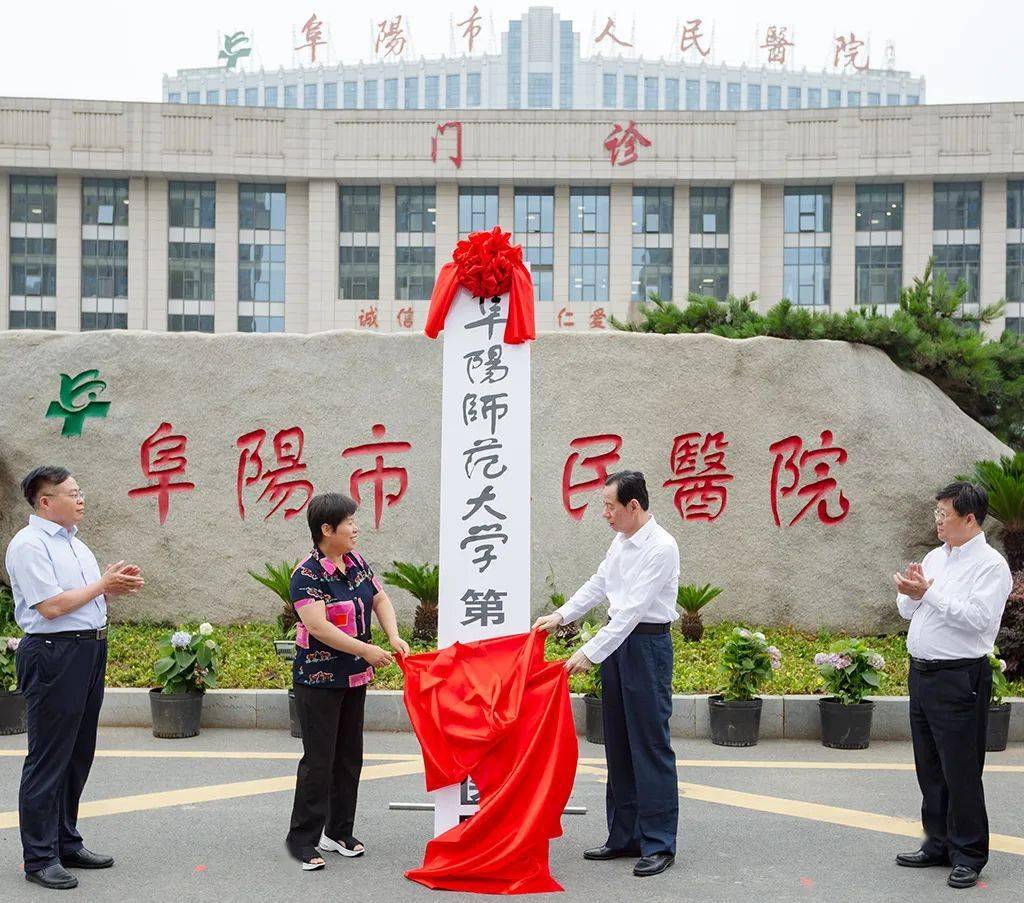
73	389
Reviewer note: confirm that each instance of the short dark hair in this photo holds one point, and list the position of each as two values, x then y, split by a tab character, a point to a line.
42	478
329	508
967	498
629	485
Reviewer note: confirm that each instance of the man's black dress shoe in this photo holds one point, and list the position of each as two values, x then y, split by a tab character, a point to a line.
919	860
962	876
602	853
83	859
55	877
654	864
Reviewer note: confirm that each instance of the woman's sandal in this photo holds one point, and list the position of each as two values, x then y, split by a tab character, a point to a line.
311	859
347	846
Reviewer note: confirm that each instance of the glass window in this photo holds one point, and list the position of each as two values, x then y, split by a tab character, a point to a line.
879	208
174	97
629	92
588	210
652	211
1015	273
370	94
892	100
192	205
671	93
709	211
807	209
291	96
957	205
472	89
874	98
359	273
261	263
432	92
309	96
610	89
753	97
535	211
566	56
853	98
261	206
350	95
713	97
452	91
650	93
814	98
913	100
359	209
775	97
652	273
534	230
213	97
193	97
515	64
231	97
538	89
252	97
330	96
835	97
793	98
412	93
415	209
879	274
270	96
414	273
33	260
391	94
709	272
807	275
1015	325
478	209
588	274
693	94
960	262
733	95
105	203
190	271
1015	204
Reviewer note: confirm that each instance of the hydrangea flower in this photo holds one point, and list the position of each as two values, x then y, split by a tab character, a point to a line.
210	644
776	656
13	642
181	639
820	658
1002	665
743	633
876	661
205	629
842	662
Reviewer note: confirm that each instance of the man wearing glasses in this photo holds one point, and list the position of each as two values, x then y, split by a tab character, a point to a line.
60	604
954	600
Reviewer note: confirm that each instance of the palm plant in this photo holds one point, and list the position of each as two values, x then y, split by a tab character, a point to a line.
1003	480
691	599
278	579
421	582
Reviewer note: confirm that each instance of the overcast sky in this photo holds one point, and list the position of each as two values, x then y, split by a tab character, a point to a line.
967	51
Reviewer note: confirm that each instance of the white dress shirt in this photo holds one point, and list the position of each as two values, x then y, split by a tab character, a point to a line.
959	615
43	561
640	577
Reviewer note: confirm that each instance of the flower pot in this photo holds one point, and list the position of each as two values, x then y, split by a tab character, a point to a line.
285	648
845	726
998	727
735	722
294	725
595	719
175	715
12	713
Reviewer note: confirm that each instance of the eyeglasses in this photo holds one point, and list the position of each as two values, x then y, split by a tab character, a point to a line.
941	515
77	494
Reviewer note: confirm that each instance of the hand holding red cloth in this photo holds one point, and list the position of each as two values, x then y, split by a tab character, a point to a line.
495	711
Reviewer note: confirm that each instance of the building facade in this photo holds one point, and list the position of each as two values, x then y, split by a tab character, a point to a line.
541	67
219	219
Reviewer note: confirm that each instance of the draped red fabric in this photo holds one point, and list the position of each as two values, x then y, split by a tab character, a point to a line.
494	710
487	265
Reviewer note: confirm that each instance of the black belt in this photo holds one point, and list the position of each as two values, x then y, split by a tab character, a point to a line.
649	628
100	633
941	664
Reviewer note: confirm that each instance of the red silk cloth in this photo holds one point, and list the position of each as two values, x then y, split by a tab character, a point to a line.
487	266
494	710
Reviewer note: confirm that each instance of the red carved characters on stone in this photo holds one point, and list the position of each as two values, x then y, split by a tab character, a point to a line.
162	458
379	474
597	463
281	481
791	457
700	476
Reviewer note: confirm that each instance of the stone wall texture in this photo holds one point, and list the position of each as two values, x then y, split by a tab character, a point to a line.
903	436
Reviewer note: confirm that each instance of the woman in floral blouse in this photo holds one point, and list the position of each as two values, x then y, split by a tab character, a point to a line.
333	591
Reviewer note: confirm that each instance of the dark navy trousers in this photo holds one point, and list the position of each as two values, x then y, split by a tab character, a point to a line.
62	681
642	795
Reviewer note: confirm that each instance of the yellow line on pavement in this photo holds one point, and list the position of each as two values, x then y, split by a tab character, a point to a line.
810	766
216	754
167	798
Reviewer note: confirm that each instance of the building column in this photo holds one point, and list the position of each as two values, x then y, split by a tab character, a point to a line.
446	222
225	257
323	254
388	221
560	265
681	244
620	252
918	216
843	254
507	207
5	249
69	253
745	239
157	217
138	250
993	250
296	261
771	246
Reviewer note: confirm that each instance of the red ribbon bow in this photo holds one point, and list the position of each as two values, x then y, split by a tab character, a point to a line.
486	265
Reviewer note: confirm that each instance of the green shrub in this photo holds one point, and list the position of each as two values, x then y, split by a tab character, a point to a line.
850	670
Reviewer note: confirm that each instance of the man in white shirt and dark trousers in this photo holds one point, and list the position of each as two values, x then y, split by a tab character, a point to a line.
640	577
954	600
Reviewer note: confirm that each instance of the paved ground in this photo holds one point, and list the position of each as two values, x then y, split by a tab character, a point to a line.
204	819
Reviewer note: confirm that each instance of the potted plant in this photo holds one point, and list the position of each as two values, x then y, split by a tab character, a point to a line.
12	703
691	599
278	578
565	633
592	705
747	664
850	670
998	711
187	668
420	581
